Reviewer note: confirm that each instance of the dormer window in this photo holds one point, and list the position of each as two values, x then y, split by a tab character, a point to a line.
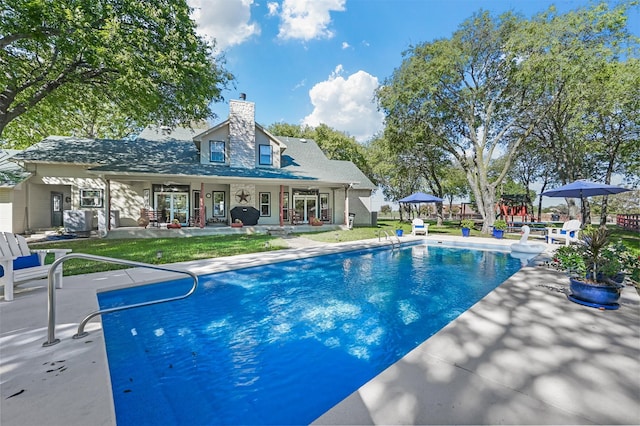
217	149
266	155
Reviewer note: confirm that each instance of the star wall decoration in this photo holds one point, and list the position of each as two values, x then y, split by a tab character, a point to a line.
243	197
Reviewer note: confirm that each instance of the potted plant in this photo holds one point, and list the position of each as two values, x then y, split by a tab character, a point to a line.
499	226
236	224
596	268
315	221
175	224
467	225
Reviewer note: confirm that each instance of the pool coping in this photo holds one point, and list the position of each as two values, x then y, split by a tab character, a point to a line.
32	377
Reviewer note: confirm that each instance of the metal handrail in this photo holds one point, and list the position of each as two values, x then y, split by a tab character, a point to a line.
388	238
51	304
378	234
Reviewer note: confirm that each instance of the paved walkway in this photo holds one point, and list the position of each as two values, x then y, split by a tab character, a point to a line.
524	354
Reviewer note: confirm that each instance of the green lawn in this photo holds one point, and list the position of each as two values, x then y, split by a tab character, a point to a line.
193	248
147	250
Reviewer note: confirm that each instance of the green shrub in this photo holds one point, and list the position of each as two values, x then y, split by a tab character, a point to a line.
467	223
500	225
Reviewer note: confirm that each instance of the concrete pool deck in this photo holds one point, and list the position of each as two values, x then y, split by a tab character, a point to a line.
523	354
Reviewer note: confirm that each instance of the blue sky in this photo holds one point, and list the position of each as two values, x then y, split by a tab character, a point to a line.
319	61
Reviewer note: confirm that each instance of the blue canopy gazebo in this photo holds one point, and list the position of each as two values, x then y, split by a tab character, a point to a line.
419	198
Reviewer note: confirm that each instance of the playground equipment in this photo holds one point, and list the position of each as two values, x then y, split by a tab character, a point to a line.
514	205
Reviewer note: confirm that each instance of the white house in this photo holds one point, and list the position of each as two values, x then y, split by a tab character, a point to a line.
198	177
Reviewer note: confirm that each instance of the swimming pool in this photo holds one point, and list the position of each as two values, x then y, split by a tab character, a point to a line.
283	343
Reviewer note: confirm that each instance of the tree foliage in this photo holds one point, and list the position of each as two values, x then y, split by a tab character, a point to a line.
592	129
481	94
136	59
468	95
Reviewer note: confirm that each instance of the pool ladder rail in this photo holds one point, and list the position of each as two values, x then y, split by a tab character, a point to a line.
52	285
389	237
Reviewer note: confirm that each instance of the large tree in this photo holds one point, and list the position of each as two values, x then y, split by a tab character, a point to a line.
592	129
141	58
613	123
465	91
483	91
594	132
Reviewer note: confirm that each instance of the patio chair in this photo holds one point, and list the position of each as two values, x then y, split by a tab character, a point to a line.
569	233
20	264
418	227
154	218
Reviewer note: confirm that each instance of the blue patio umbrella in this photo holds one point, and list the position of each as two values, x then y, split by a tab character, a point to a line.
582	189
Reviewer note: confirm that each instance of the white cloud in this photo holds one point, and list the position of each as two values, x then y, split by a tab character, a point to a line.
228	21
308	19
273	8
346	104
302	83
345	45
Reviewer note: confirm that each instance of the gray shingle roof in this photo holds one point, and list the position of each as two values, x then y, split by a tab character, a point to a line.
306	153
303	159
11	173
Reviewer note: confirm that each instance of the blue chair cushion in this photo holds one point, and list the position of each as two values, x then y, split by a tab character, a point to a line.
23	262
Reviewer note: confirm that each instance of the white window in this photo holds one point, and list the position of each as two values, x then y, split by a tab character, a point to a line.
216	151
91	198
266	156
265	204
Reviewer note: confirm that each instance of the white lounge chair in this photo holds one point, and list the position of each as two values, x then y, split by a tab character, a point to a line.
569	233
21	264
418	227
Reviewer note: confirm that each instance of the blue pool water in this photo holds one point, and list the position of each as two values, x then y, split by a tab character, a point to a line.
283	343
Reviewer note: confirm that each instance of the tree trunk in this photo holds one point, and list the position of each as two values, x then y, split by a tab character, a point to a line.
603	213
544	185
485	201
586	211
572	208
439	214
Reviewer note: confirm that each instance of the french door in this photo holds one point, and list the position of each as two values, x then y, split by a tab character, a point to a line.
305	207
173	205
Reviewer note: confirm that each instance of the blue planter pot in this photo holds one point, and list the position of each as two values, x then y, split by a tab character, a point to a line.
498	233
399	232
466	232
601	296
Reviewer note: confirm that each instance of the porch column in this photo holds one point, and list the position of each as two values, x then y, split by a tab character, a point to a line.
108	203
281	205
104	221
346	204
202	218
